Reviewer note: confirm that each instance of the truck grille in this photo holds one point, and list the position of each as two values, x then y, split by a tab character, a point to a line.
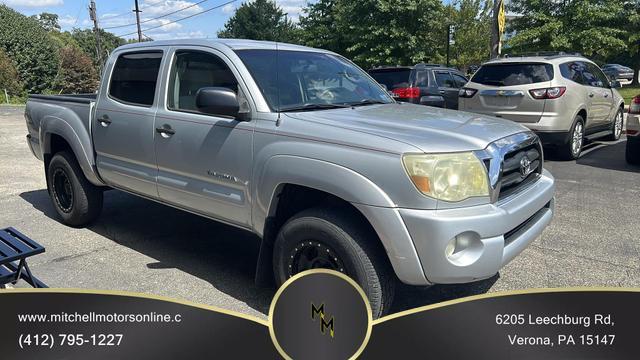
514	176
512	163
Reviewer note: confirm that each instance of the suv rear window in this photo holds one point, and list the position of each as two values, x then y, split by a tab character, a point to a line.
507	74
392	78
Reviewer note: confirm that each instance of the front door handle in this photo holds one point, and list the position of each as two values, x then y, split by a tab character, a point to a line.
104	121
165	131
442	92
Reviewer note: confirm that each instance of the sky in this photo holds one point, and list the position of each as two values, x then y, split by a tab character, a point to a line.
117	16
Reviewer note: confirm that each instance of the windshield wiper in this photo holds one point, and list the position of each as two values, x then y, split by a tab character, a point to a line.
309	107
368	102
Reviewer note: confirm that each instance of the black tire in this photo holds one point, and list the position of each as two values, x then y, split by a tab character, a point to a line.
356	247
567	151
616	131
632	152
76	200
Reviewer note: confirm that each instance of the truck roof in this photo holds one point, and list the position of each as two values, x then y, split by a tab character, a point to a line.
234	44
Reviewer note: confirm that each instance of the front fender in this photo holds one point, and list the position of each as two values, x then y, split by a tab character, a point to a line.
342	182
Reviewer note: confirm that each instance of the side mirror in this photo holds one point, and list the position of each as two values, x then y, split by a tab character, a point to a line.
615	84
218	101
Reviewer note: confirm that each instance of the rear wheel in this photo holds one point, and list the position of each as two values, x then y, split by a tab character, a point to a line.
75	199
616	126
330	239
572	149
632	153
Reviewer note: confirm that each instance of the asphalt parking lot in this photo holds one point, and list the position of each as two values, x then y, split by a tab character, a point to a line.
141	246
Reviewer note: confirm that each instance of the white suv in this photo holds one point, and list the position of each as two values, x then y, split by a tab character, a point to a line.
563	98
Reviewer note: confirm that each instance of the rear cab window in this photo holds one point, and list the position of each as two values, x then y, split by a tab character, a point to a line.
134	78
393	78
509	74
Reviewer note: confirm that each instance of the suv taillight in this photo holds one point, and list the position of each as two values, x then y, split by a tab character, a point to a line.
467	92
634	107
407	92
548	93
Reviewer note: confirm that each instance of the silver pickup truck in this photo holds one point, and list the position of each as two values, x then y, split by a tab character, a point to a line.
304	149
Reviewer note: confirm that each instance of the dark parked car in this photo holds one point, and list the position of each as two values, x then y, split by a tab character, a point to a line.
425	84
618	72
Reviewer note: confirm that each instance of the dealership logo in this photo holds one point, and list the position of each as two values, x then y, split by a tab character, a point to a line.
324	324
525	166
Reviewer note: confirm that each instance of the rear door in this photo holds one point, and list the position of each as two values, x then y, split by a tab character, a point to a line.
123	124
447	88
204	160
503	90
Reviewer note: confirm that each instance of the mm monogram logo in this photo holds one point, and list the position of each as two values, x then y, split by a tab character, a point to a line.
324	324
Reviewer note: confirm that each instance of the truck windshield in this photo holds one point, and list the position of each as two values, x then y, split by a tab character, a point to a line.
306	81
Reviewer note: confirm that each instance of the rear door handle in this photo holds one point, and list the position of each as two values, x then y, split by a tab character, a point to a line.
590	94
442	92
165	131
104	121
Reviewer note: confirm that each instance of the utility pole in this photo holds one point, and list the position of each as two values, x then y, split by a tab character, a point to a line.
137	11
93	15
449	41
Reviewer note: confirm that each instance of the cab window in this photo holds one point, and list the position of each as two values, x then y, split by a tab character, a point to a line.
134	78
193	70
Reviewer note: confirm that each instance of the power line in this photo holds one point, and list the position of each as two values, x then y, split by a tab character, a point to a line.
158	17
181	19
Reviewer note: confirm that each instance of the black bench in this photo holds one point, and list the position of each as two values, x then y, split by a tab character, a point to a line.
15	248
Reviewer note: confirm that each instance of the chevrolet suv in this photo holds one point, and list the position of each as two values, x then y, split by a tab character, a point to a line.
563	98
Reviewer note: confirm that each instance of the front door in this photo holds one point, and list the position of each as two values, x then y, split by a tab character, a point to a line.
123	124
204	160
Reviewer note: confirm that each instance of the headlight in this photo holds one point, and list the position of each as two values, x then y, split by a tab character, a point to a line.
449	177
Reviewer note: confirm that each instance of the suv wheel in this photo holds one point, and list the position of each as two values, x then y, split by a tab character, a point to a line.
616	126
326	238
632	152
572	149
75	199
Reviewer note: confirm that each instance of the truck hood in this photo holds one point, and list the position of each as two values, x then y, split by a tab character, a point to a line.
427	128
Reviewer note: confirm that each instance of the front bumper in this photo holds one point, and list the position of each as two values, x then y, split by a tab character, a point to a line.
491	235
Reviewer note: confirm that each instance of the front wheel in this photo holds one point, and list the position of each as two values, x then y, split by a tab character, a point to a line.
616	126
330	239
75	199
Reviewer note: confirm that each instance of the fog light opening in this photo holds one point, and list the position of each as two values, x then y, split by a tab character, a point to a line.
464	248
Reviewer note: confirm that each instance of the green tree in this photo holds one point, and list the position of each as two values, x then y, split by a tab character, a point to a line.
472	32
77	73
9	79
259	20
86	40
632	9
378	32
594	28
31	49
48	21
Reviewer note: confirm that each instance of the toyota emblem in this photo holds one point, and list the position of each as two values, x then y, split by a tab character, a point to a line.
525	166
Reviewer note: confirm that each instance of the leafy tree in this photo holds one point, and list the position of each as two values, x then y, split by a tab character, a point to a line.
86	40
632	9
259	20
9	79
77	73
320	29
594	28
378	32
48	21
472	32
31	49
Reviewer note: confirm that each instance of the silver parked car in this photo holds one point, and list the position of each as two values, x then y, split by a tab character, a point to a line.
307	151
563	98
